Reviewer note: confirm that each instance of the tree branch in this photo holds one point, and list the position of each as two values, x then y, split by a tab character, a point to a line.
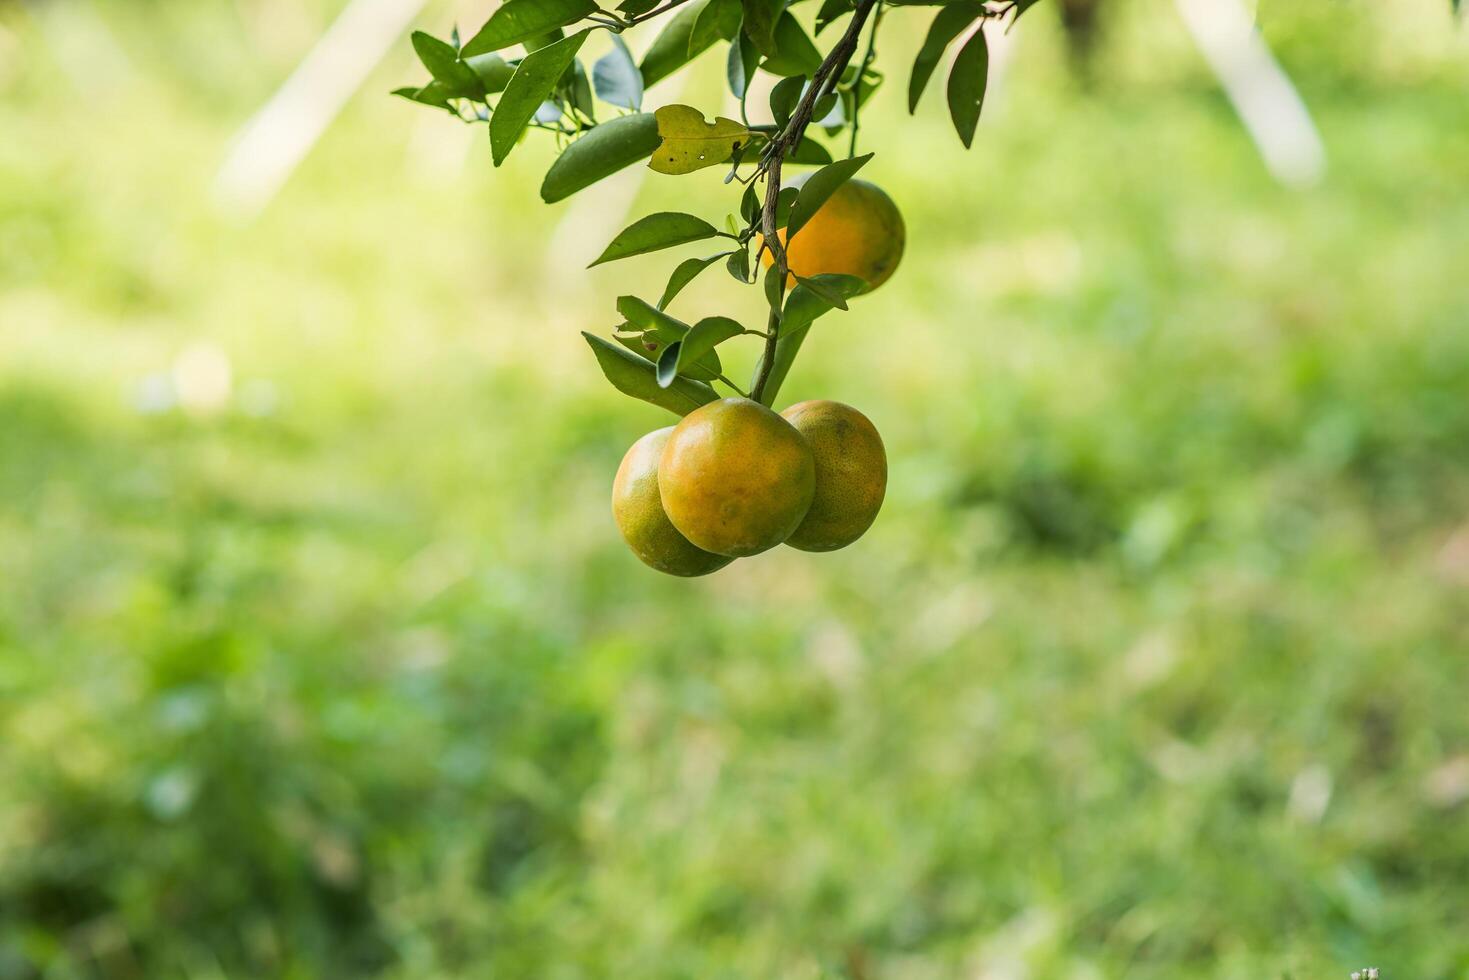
826	78
634	21
862	73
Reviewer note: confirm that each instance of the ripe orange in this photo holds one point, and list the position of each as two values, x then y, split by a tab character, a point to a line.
858	231
851	474
638	509
736	478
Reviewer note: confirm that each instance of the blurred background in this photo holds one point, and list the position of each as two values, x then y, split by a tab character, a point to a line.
320	655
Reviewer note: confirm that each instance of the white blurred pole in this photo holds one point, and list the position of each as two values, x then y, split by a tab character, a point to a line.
273	143
1000	40
594	217
83	45
1262	94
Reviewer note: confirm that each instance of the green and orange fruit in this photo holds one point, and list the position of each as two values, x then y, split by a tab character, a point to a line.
851	474
857	232
736	479
637	507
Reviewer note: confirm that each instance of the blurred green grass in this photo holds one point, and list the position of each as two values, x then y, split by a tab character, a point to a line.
1154	664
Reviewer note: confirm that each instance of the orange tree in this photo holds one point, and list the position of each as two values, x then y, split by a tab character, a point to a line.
820	239
733	479
656	357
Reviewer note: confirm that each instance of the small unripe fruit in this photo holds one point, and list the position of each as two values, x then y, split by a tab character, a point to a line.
736	478
637	507
851	474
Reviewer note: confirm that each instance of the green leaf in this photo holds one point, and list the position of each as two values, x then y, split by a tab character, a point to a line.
794	53
947	25
529	87
819	187
1021	6
810	152
545	39
686	272
657	231
821	289
836	118
662	330
784	98
493	71
738	265
870	83
750	205
690	143
645	317
579	91
761	17
667	368
828	110
774	287
784	203
650	347
636	8
433	94
518	21
644	345
715	22
671	50
435	55
967	82
617	78
705	335
830	11
699	342
802	308
635	376
603	151
442	61
740	66
805	305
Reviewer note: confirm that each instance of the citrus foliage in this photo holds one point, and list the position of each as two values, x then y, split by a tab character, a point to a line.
550	88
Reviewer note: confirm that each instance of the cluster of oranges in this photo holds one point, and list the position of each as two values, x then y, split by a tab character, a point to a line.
734	478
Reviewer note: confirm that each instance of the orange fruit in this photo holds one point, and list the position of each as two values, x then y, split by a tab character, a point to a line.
637	507
736	478
851	474
858	231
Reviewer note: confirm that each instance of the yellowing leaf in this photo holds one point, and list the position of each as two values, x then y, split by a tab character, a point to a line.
690	143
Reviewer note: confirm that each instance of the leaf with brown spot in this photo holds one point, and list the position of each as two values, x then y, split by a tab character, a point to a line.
691	143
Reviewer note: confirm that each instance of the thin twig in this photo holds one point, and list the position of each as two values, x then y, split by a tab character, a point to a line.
738	390
866	64
774	156
634	21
